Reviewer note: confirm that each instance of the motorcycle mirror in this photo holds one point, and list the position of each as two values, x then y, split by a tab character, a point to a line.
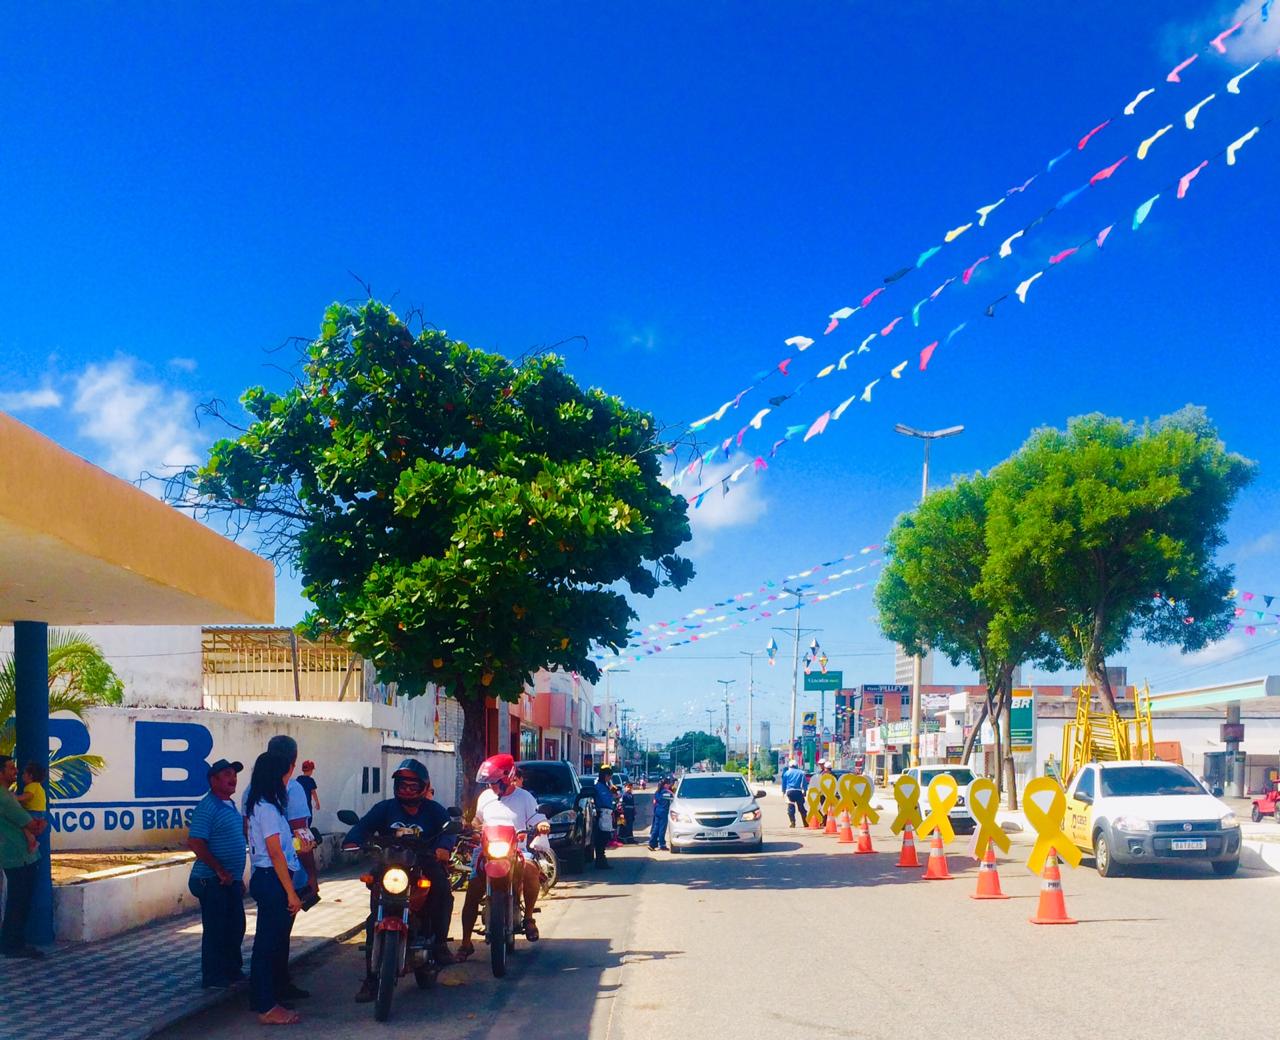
454	826
761	794
348	817
454	812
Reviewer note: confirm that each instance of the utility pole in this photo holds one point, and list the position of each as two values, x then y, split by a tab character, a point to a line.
710	712
795	662
751	693
726	683
928	436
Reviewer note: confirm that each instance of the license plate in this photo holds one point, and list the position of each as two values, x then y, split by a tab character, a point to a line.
1188	845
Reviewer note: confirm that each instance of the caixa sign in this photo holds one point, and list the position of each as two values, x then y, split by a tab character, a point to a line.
154	774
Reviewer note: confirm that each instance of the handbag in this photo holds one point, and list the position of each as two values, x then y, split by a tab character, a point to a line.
605	822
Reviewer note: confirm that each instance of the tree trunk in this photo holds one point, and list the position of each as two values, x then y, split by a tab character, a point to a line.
1096	669
972	738
1011	775
993	713
473	747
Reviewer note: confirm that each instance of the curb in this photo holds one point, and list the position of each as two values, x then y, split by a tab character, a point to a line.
307	948
1267	851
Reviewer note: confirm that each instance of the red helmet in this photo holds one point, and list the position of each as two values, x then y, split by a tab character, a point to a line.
496	768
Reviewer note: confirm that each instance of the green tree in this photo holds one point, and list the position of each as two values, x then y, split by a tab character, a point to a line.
79	678
1108	514
460	519
932	594
696	746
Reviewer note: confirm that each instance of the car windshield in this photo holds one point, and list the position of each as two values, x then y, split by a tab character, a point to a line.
1141	781
544	781
964	777
700	787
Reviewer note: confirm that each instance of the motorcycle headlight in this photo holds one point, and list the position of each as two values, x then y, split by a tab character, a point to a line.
395	881
498	849
1228	822
751	814
568	816
1132	825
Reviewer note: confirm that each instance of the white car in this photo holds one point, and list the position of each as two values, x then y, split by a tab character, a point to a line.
711	809
1125	813
962	821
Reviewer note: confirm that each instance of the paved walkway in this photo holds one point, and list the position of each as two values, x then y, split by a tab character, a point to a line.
130	986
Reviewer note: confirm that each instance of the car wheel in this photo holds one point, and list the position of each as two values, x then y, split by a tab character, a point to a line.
674	848
1102	856
1257	814
1225	867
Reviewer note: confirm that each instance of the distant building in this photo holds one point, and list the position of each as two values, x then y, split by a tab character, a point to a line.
902	667
765	740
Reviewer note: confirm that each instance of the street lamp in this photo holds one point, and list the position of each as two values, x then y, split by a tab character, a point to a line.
726	683
607	714
750	655
928	436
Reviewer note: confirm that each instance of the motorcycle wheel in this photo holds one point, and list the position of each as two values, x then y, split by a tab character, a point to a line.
499	927
425	977
388	971
550	867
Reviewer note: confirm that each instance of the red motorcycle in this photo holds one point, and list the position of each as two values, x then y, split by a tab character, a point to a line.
502	855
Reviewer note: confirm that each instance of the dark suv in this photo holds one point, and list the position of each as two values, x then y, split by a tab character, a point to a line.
570	809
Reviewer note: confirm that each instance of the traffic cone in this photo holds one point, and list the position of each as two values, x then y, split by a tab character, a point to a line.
815	821
988	876
937	866
864	839
1052	908
830	828
907	857
846	830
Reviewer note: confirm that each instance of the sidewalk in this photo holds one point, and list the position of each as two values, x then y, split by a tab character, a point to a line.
133	985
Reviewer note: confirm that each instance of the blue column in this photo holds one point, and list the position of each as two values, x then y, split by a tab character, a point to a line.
31	665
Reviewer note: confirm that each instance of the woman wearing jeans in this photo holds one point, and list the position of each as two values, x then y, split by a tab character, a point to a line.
275	862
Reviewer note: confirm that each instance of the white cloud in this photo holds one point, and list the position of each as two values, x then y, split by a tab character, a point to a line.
30	400
183	364
140	424
1258	39
744	503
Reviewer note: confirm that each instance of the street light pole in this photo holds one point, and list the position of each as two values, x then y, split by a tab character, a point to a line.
928	436
751	693
726	683
607	714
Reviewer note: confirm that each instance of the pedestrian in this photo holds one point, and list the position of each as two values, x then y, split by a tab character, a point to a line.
661	813
307	782
19	854
627	831
604	815
33	797
273	885
217	837
795	782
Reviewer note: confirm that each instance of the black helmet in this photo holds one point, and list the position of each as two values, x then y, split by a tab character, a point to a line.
412	768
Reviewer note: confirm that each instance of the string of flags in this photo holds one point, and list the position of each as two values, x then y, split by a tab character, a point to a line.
1249	620
802	343
1178	188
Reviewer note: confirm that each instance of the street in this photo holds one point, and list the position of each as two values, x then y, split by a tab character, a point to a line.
808	939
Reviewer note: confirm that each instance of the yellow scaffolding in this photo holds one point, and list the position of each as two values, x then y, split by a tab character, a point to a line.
1106	736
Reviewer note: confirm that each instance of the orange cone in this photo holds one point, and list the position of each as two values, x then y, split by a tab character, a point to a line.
815	821
864	839
907	857
988	876
1052	908
937	866
846	830
830	828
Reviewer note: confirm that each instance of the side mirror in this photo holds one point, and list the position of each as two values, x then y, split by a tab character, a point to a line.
1086	799
454	812
761	794
454	826
348	817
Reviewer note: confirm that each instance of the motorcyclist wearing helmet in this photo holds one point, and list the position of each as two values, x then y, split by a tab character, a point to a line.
411	808
503	802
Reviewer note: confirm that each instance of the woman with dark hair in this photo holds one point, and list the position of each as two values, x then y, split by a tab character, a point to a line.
275	863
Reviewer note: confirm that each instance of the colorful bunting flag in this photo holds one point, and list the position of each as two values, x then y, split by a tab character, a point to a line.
926	354
866	393
1217	42
1237	144
924	257
1057	258
968	271
801	342
955	233
889	328
1233	84
1023	286
1106	172
842	406
1174	76
1140	214
1146	145
1006	247
1132	106
896	371
1102	235
872	295
1185	180
1089	136
1194	111
986	211
819	425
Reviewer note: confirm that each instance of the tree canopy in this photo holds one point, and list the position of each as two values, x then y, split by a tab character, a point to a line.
703	747
459	518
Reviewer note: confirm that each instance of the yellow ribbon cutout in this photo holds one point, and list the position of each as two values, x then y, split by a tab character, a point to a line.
812	801
1048	823
906	792
845	802
827	788
860	791
984	803
944	792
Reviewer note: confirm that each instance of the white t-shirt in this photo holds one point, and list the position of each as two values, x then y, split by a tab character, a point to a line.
264	821
519	809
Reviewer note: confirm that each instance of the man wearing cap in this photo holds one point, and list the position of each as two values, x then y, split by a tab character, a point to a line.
217	878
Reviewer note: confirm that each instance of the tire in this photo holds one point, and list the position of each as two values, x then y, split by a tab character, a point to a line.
552	872
425	977
1102	857
1256	815
1225	867
673	847
499	911
388	971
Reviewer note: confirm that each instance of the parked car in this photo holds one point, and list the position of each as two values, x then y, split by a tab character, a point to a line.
570	808
1124	813
715	809
961	818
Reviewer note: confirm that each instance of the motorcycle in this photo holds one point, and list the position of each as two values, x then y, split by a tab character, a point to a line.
503	901
543	856
401	940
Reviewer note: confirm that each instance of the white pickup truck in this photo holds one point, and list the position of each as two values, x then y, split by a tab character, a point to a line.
1125	813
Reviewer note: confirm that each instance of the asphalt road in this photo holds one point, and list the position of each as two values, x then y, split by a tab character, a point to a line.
807	939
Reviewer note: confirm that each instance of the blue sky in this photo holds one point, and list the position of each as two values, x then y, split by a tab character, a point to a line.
686	186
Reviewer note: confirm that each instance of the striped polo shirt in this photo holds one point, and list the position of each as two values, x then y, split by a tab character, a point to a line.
221	825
